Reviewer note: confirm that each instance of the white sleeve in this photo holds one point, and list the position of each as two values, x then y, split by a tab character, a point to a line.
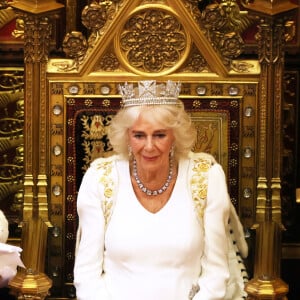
4	232
88	270
214	263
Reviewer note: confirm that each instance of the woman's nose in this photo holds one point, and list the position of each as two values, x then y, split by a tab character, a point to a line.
149	143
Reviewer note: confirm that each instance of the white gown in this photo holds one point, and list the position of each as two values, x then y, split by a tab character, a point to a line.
152	256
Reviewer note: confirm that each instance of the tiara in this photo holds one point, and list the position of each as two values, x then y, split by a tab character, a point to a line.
148	92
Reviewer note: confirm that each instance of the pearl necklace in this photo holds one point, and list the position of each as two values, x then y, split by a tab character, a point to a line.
146	190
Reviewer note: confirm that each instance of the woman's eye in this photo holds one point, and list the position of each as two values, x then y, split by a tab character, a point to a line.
138	135
160	135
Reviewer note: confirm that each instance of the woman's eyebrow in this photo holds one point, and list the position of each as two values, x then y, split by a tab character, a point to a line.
137	131
160	130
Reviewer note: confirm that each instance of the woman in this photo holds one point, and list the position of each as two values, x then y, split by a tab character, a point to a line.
153	218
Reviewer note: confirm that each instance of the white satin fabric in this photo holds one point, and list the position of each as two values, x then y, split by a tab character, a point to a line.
161	256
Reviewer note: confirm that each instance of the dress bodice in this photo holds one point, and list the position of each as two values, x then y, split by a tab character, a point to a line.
152	255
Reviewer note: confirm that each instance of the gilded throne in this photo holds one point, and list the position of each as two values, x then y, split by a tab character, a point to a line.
70	102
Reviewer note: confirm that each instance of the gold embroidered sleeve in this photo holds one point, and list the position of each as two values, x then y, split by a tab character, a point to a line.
199	182
108	188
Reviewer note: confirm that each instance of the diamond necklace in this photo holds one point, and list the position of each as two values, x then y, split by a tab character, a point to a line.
146	190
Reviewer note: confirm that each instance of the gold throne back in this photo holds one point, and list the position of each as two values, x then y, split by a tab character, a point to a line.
138	40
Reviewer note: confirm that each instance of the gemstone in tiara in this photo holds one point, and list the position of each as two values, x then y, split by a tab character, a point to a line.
148	92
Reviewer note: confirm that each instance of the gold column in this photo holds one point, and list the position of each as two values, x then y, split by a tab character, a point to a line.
271	37
37	17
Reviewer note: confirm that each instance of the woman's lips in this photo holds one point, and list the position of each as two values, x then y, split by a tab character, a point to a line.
150	158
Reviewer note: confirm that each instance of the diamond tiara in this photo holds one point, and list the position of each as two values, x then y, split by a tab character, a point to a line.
148	92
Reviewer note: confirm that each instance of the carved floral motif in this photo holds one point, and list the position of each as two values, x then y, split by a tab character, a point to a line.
94	16
153	40
75	46
196	63
109	62
223	24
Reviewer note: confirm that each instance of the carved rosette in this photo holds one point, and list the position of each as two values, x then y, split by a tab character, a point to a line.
75	46
153	41
109	63
223	24
94	16
213	18
231	45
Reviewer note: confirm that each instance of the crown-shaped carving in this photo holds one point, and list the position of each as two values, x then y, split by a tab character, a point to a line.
148	92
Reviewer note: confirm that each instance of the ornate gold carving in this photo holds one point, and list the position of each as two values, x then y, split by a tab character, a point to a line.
37	37
194	10
88	89
241	66
11	138
75	46
290	30
6	14
18	32
223	24
109	63
196	63
290	96
153	41
94	16
231	45
37	33
271	40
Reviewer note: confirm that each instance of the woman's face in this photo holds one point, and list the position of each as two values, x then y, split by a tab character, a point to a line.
151	143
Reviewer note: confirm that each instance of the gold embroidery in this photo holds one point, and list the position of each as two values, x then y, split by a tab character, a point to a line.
199	183
106	180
